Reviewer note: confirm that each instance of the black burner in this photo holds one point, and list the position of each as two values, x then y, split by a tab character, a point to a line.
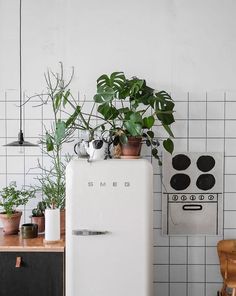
205	181
181	162
180	181
205	163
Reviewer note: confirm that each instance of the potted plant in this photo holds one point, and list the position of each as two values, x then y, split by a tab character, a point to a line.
52	179
38	216
11	198
131	108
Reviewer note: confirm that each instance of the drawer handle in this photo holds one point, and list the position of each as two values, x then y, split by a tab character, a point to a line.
18	262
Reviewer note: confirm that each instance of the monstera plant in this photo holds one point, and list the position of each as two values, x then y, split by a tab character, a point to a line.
132	109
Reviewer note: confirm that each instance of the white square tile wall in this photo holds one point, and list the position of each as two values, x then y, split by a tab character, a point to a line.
185	265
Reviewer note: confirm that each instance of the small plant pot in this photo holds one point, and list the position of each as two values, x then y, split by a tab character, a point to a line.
29	230
132	148
11	224
40	221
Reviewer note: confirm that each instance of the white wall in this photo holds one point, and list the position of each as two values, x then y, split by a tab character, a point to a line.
182	46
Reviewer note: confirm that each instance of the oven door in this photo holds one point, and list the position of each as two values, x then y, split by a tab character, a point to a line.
192	218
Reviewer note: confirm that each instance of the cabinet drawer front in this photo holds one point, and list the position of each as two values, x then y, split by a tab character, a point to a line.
37	274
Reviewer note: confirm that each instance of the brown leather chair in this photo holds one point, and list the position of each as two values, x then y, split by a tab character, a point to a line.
227	255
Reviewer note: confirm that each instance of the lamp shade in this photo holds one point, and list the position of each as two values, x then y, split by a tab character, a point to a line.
20	142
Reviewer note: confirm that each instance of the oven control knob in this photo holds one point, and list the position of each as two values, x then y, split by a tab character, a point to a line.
192	197
201	197
211	197
183	197
175	197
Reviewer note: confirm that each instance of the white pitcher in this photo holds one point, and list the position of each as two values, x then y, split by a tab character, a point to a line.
96	150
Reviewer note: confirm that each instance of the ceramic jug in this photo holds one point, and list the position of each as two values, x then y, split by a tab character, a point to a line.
96	150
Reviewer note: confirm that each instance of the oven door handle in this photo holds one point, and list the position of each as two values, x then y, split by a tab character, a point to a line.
192	207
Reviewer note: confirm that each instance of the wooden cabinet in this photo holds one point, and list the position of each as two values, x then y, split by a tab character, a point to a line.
29	267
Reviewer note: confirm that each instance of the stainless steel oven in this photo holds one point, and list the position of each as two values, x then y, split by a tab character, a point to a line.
192	194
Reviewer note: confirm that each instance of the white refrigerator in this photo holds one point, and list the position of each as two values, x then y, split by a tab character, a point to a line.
109	228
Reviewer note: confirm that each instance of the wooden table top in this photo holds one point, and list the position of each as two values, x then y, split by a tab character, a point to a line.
13	243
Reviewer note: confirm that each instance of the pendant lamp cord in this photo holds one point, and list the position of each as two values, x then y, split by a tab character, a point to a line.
20	51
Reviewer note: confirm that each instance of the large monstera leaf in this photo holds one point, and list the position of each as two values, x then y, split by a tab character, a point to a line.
109	112
115	81
164	108
108	87
133	124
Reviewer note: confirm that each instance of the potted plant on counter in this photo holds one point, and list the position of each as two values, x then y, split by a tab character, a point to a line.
11	198
38	216
52	179
131	108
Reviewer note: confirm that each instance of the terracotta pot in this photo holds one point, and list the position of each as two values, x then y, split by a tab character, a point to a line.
132	149
62	220
40	221
11	224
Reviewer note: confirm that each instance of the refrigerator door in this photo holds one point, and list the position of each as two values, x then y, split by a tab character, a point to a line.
109	228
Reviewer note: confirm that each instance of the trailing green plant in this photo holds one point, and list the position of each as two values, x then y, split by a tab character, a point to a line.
39	210
11	198
131	108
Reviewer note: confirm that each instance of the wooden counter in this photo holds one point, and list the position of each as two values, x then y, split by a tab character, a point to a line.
13	243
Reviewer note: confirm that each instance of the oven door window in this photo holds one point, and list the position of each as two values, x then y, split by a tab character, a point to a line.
192	218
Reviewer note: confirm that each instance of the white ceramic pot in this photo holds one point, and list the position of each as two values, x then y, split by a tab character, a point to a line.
97	150
52	224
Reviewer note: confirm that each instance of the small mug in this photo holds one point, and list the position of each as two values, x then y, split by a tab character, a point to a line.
29	230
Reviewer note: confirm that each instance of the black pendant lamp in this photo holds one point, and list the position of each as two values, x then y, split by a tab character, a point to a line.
20	141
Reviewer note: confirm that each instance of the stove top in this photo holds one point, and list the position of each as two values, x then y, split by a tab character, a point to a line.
192	187
193	173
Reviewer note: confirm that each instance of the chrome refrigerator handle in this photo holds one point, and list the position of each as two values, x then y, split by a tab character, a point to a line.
86	232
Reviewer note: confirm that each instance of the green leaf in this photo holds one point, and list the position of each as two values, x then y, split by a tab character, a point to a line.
60	131
57	100
123	110
103	79
65	98
123	139
115	81
150	134
135	85
165	118
73	117
148	143
154	152
133	128
109	112
168	129
148	121
49	142
168	145
136	117
104	96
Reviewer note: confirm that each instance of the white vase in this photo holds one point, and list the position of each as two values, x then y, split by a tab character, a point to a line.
52	224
